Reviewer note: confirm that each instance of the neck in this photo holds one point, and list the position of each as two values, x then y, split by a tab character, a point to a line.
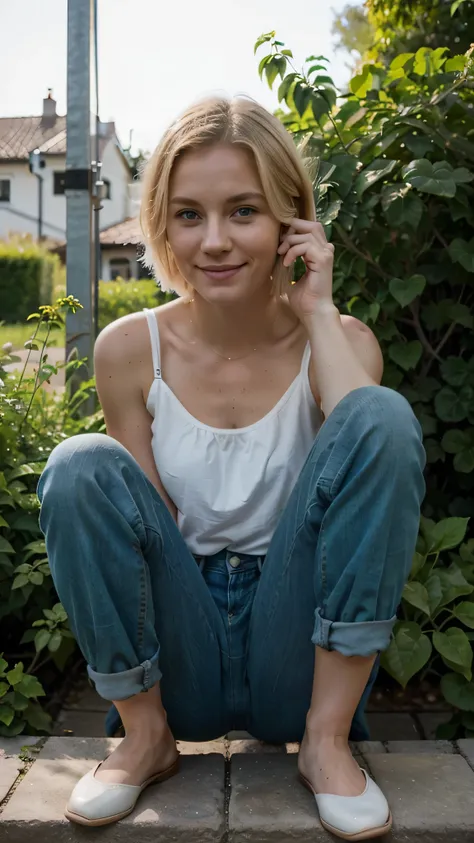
236	327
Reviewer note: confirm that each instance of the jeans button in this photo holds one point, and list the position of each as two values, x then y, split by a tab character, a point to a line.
234	561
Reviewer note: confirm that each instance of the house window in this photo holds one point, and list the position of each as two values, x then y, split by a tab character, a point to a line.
107	192
120	268
59	181
4	190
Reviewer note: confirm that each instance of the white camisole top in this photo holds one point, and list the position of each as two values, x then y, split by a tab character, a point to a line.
230	486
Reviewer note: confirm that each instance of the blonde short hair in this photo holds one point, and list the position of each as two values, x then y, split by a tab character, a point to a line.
285	181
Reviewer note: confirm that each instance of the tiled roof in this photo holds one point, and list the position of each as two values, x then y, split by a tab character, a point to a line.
21	135
123	233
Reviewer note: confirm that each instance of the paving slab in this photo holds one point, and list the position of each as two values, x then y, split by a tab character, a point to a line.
431	796
423	747
431	720
269	805
392	726
80	724
203	748
361	747
190	806
467	749
10	763
251	747
86	698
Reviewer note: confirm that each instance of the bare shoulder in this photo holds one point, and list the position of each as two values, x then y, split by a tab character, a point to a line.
365	345
128	336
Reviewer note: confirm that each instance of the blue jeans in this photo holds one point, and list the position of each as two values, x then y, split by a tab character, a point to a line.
231	637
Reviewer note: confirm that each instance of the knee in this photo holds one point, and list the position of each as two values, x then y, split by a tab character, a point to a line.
391	415
74	462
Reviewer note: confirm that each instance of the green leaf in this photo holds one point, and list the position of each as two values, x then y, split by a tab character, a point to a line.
377	169
455	6
422	175
30	687
462	252
15	675
408	652
450	405
33	468
301	97
361	84
42	639
5	546
37	718
434	590
4	688
401	206
448	533
405	354
462	175
453	584
407	290
465	613
417	564
36	577
261	40
286	86
458	691
272	70
55	641
416	595
455	649
6	714
20	581
460	443
456	371
456	63
263	63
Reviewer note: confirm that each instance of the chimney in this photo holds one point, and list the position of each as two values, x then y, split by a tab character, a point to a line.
49	108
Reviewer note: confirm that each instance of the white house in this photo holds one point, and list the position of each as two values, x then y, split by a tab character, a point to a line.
19	188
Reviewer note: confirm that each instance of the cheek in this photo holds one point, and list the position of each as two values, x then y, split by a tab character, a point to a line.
262	241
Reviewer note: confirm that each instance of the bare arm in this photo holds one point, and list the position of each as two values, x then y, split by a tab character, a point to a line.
345	355
126	417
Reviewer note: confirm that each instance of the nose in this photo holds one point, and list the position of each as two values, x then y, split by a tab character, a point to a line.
216	238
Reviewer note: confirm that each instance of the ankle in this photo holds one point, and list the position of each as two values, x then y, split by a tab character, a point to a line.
326	734
150	732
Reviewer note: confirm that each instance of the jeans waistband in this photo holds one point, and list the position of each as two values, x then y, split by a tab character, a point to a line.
232	560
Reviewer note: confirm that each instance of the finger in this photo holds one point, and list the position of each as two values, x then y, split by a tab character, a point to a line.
300	250
292	240
310	226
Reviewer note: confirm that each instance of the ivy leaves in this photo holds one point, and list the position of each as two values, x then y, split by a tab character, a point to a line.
431	601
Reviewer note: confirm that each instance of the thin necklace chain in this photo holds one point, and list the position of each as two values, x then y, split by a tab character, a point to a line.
226	356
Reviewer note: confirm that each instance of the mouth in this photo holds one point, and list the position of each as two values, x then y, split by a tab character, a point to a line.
221	272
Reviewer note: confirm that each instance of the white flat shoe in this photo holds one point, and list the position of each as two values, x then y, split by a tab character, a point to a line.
93	802
354	817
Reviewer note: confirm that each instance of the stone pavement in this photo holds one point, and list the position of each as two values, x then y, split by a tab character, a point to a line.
237	791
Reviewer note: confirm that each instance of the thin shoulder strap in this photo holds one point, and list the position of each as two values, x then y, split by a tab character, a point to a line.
305	360
155	341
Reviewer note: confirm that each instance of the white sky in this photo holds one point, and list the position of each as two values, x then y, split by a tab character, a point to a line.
157	57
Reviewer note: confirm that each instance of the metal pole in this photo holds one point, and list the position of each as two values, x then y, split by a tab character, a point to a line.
40	207
78	188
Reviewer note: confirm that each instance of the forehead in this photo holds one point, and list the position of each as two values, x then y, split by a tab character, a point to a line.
221	168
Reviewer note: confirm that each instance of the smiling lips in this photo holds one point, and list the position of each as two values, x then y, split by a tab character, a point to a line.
221	272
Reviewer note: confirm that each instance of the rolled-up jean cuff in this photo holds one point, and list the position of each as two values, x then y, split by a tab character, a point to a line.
126	683
352	639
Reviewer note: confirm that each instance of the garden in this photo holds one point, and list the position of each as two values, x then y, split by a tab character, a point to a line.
392	161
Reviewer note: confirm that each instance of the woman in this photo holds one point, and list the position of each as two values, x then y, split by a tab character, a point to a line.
235	563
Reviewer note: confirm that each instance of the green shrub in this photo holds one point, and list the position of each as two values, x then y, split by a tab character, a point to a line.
117	298
28	273
393	187
34	633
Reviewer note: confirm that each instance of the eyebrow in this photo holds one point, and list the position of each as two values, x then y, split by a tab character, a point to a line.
239	197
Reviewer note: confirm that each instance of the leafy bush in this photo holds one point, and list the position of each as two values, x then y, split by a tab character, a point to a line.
117	298
392	183
33	626
28	272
